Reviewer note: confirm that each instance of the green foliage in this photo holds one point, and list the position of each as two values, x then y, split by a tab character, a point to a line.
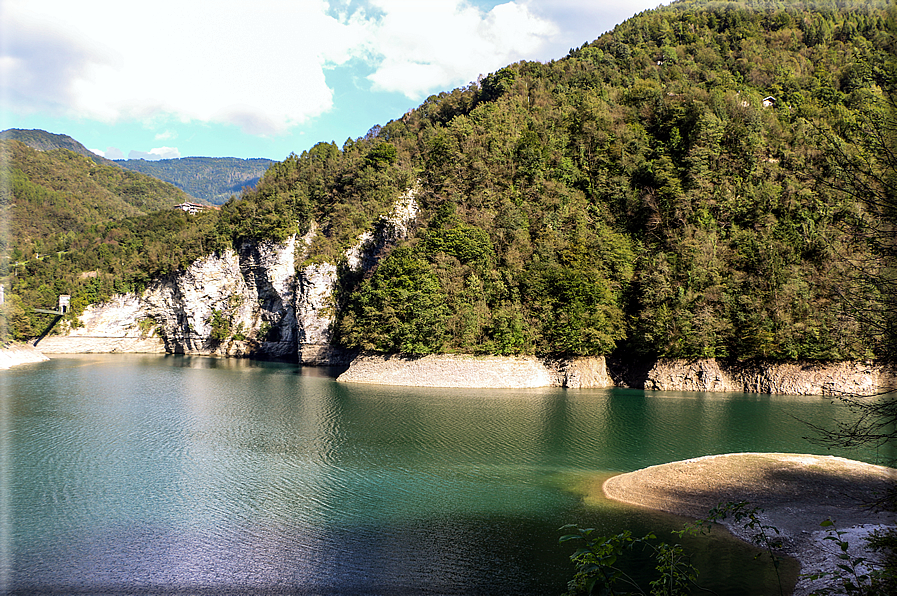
42	140
58	191
401	308
598	568
212	179
381	156
598	561
220	324
221	321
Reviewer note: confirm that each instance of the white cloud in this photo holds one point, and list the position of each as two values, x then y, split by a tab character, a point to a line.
155	154
109	153
580	22
425	46
258	66
166	135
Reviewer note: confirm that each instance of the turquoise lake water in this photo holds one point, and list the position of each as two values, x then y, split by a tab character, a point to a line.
132	474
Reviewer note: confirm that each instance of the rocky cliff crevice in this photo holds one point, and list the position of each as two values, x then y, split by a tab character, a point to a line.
237	303
249	302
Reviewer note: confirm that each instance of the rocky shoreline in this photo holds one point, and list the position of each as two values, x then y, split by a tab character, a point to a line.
791	378
704	375
465	370
18	354
462	370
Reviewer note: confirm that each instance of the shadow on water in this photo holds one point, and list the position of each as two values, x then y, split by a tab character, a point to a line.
726	564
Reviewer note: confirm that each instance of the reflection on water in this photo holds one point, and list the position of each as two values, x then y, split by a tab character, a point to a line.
128	473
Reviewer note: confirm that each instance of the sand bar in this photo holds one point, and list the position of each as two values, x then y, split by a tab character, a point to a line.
797	492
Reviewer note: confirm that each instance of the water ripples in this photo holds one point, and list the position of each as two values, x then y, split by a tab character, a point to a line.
157	471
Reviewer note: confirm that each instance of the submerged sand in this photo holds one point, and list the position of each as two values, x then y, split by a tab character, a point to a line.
796	493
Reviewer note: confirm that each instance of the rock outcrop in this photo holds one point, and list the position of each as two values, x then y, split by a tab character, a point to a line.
449	371
586	373
316	305
497	372
248	302
17	354
788	378
119	325
238	303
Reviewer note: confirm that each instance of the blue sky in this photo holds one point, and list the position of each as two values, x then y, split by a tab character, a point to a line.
232	78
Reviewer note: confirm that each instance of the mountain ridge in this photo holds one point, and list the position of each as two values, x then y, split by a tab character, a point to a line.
209	180
58	191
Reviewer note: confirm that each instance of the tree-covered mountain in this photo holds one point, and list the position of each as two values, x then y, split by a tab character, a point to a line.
51	196
212	179
678	187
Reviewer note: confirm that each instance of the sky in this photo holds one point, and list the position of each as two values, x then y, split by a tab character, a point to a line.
266	78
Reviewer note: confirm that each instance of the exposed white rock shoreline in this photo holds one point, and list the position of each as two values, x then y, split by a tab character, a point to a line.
706	375
462	370
17	354
791	378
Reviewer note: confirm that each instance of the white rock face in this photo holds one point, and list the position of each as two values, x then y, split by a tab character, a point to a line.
271	309
315	312
117	318
460	370
315	304
587	373
17	354
784	378
253	290
119	325
450	371
183	304
388	230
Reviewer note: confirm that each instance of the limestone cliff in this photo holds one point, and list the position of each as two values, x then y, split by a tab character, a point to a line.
316	305
252	301
789	378
237	303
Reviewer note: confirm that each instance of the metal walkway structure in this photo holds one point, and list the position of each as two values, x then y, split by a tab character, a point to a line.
64	301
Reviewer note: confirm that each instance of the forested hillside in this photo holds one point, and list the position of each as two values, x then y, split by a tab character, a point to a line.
213	179
52	196
689	184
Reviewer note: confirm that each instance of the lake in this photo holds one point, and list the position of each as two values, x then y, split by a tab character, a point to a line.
139	474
